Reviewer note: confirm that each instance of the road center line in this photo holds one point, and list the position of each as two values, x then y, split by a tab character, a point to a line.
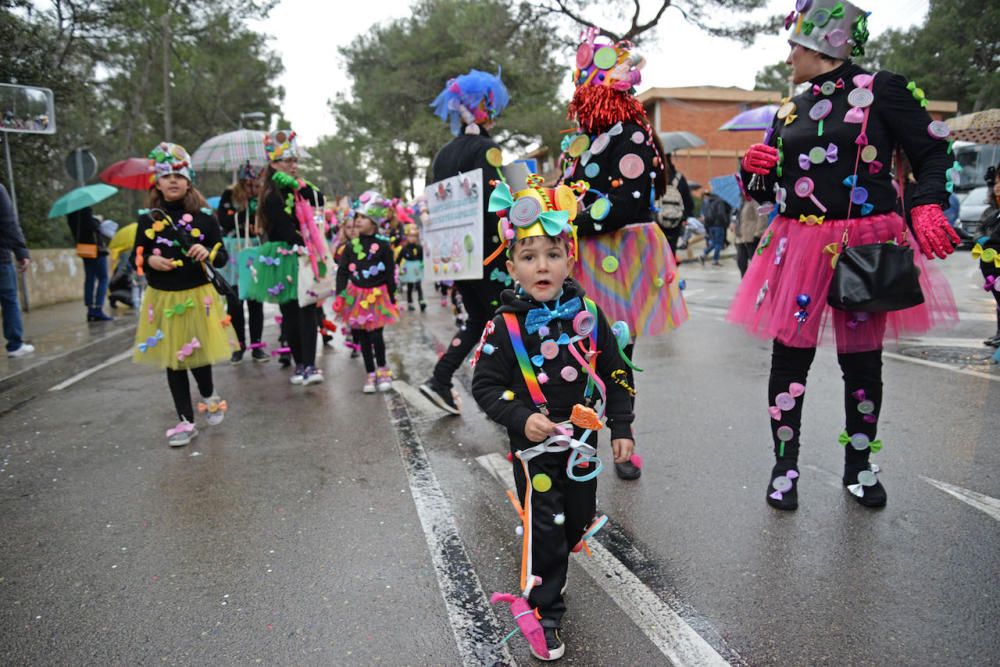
675	639
90	371
981	502
472	621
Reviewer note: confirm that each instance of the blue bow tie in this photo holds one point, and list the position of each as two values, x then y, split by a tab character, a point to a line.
541	316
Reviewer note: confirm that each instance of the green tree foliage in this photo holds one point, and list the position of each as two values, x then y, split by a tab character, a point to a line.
774	77
336	167
954	55
104	61
399	68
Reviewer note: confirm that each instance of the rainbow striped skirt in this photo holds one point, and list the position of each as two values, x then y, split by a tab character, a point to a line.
632	275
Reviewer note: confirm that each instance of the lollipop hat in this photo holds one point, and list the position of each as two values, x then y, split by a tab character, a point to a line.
471	100
167	159
534	211
282	145
373	206
836	29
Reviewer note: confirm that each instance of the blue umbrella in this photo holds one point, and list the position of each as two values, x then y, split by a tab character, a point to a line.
728	189
213	202
759	118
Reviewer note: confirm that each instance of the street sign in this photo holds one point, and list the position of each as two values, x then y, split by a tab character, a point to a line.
81	165
27	109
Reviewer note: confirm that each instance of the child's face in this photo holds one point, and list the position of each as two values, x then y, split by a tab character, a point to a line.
541	265
173	187
412	239
363	225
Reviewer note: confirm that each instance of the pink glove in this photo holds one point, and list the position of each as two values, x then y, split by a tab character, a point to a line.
934	234
760	159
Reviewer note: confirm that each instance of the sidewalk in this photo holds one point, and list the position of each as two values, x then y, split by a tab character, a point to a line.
65	343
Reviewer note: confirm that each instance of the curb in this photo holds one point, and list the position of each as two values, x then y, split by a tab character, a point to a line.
20	387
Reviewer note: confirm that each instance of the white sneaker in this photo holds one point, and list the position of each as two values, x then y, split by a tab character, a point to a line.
312	376
299	376
215	409
369	386
22	351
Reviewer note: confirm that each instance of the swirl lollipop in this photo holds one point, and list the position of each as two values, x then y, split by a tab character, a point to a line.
804	188
819	111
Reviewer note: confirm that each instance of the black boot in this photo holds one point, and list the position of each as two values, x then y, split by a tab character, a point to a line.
782	492
862	405
995	341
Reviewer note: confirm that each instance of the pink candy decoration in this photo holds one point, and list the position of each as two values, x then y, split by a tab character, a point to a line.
796	389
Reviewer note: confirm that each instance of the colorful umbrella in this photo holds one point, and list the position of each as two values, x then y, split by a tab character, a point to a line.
132	173
982	127
230	151
83	197
759	118
675	141
728	189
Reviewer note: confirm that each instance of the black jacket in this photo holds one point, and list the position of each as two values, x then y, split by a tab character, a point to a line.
230	215
990	227
896	120
497	372
190	274
413	252
86	229
11	236
375	250
630	200
282	223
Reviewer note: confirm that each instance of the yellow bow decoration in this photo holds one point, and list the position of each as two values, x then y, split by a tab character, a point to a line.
834	250
812	219
789	119
150	234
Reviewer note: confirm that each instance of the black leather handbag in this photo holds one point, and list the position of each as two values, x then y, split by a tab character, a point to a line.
875	278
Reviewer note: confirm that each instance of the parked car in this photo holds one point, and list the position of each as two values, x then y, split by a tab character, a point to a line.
972	209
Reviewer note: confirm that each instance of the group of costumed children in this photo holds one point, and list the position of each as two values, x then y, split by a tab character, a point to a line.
201	275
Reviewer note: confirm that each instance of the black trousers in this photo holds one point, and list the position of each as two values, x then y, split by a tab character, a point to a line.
256	309
180	389
991	270
477	297
744	254
301	324
372	348
862	374
551	542
409	292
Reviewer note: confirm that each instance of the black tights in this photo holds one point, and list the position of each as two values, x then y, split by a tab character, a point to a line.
180	389
372	348
409	293
862	373
256	309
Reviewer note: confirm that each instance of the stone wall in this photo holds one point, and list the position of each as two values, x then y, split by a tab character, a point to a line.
55	276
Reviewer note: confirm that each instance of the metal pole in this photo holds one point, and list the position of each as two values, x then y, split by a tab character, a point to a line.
22	281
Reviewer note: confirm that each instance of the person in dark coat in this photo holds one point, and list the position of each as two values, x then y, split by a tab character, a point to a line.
987	248
12	241
92	249
469	103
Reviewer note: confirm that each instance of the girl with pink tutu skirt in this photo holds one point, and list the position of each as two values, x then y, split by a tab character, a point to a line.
825	165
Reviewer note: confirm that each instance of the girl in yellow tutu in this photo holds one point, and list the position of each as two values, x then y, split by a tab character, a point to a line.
366	289
182	322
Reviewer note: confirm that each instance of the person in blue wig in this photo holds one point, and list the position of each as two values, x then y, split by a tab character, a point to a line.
469	104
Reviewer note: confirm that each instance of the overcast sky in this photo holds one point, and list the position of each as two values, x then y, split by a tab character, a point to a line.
681	55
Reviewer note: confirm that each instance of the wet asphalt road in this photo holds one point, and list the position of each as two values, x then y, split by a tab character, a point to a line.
295	532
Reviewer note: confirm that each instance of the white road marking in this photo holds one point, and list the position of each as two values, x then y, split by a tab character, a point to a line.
939	365
90	371
677	640
472	621
981	502
924	341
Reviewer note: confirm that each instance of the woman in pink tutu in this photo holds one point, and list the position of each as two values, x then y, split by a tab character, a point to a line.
366	288
826	165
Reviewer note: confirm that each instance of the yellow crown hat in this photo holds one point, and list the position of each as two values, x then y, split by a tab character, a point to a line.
535	211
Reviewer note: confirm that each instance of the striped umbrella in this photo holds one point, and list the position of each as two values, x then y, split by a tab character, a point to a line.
229	151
